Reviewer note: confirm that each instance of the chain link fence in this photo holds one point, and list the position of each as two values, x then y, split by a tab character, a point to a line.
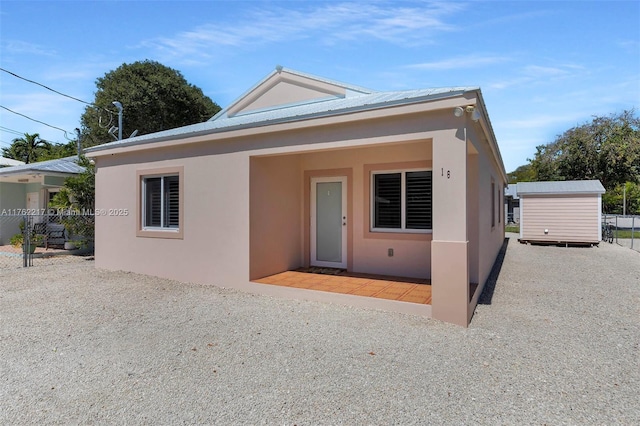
41	239
625	230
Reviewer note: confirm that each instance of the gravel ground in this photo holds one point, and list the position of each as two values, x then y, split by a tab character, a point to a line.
557	344
626	242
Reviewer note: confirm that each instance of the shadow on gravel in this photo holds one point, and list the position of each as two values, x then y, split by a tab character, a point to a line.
490	285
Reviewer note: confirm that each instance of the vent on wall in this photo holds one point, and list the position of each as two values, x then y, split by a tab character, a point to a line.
23	180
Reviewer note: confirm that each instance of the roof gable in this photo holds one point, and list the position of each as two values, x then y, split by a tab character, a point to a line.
284	87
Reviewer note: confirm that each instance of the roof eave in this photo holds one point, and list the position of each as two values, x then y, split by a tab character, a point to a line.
493	142
31	172
562	193
292	119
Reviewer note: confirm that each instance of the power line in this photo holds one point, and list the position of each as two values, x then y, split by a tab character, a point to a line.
7	130
37	121
55	91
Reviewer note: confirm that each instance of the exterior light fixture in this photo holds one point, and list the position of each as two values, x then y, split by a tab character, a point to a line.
473	112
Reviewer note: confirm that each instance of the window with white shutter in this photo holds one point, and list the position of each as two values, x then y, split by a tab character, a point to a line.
160	203
401	201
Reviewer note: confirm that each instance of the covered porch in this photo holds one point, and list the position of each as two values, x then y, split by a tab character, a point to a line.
284	232
366	285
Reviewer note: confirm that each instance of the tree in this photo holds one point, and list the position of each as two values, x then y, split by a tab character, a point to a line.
523	173
614	198
154	98
607	149
78	192
28	149
60	150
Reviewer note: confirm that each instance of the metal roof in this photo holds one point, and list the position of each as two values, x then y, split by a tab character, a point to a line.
561	187
290	113
9	162
66	165
511	191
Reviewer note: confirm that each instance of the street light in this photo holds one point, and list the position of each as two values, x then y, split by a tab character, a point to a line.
119	106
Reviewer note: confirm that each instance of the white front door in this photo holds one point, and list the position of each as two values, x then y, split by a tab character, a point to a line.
33	202
329	222
33	206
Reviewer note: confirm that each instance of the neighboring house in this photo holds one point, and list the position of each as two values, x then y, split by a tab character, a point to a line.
512	204
27	188
302	170
561	211
5	162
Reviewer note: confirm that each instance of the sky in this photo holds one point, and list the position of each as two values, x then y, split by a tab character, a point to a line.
543	67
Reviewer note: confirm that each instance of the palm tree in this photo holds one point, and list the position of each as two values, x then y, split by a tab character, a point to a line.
28	148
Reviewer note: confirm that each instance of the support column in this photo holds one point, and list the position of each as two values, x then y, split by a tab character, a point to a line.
449	248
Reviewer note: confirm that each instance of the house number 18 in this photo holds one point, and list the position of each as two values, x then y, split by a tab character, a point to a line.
448	173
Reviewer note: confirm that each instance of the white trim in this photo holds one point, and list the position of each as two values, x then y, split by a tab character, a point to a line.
599	217
521	207
403	202
312	228
144	204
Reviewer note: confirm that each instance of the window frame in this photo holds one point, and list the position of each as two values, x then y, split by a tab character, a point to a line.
493	203
403	202
159	231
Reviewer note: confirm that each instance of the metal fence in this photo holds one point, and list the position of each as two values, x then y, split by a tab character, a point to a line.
40	239
626	230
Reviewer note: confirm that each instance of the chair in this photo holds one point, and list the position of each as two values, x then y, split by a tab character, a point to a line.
49	233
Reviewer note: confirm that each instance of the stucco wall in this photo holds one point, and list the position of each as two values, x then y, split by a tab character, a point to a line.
490	237
412	255
12	196
54	181
214	248
245	200
275	215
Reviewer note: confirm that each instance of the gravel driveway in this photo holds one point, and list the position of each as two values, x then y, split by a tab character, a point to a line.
557	344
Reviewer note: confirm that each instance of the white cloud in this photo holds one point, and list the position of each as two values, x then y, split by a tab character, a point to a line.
45	107
541	120
23	47
532	74
631	46
460	62
328	23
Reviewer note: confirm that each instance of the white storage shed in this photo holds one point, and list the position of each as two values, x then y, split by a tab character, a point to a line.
561	211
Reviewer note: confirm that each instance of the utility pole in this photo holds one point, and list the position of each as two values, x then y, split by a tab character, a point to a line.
624	199
79	145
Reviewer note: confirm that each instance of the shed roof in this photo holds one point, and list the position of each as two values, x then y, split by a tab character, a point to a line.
67	165
561	187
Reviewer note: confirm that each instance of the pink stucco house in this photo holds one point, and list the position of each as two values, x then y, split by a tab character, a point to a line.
302	170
